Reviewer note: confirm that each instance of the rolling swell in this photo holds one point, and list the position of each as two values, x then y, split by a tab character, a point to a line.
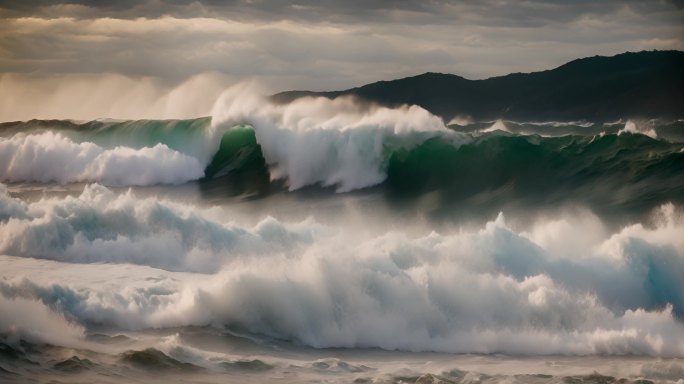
154	359
612	169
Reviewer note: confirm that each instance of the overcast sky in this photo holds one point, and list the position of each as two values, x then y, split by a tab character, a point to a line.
319	45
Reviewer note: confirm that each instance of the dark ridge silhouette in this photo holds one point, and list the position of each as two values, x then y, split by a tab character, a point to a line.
646	84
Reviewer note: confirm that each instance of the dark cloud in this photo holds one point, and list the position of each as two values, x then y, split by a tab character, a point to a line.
531	13
677	3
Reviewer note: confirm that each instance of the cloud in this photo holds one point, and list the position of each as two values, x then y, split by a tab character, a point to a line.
319	45
528	13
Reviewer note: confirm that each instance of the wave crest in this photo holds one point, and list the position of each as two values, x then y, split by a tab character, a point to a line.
340	142
52	156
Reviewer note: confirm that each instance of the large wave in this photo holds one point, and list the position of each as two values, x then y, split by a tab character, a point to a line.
337	143
346	145
566	285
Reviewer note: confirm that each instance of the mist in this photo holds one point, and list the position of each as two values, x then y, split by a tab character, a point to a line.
107	96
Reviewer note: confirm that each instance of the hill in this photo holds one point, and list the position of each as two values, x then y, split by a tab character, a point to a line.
644	84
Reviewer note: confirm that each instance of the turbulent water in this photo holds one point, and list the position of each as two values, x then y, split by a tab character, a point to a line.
336	242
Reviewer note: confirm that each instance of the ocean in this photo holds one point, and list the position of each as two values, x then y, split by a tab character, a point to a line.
324	241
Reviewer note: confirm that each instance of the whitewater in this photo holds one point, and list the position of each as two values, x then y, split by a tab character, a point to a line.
336	241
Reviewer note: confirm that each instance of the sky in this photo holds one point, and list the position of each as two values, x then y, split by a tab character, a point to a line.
61	56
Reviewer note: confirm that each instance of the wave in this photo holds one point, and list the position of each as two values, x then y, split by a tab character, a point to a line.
31	320
337	143
52	157
74	364
340	143
153	359
567	285
345	145
410	162
630	171
151	364
533	162
632	127
100	226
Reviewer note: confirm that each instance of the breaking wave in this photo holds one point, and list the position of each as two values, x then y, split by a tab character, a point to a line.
567	285
340	144
31	320
50	157
315	141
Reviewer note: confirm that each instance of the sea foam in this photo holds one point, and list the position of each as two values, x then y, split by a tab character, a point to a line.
50	156
340	142
487	290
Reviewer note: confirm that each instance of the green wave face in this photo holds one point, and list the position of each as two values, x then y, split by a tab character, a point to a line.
238	152
536	165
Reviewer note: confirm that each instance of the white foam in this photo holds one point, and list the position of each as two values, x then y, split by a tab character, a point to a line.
99	226
461	121
489	290
498	125
31	320
50	156
338	142
642	128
